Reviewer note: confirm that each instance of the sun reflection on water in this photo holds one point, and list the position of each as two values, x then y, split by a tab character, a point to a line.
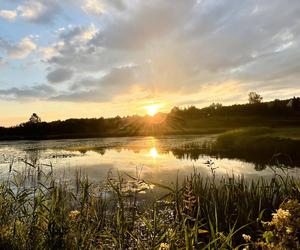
153	153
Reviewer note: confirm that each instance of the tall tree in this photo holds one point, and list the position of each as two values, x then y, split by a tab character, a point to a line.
254	98
34	118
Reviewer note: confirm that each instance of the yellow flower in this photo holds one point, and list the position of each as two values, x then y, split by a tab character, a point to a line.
164	246
280	215
289	230
74	214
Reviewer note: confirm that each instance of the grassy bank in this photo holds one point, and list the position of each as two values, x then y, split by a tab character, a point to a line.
264	145
39	212
260	145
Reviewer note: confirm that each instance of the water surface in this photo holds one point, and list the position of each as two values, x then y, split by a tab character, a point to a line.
154	159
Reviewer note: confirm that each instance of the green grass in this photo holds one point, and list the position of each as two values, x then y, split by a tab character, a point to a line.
281	132
260	145
292	133
39	212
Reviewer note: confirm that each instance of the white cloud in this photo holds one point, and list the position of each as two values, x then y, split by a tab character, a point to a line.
94	7
40	11
31	10
22	49
48	52
9	15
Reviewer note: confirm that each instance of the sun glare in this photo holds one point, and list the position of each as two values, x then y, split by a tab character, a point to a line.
152	109
153	153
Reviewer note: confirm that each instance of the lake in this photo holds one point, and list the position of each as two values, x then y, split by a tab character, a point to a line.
154	158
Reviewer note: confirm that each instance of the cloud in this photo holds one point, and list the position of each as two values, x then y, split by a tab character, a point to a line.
75	51
149	21
100	7
168	47
20	50
105	88
27	93
48	52
94	7
8	15
36	11
60	75
2	61
179	47
40	11
78	35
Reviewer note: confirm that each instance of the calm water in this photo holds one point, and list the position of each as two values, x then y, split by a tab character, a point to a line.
155	158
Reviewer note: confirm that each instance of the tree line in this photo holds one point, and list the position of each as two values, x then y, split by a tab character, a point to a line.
178	121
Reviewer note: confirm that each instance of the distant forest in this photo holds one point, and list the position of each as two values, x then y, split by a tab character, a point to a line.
190	120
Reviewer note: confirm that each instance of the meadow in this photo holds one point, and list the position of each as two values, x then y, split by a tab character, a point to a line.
39	211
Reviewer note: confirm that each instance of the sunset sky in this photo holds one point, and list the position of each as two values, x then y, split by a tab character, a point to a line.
92	58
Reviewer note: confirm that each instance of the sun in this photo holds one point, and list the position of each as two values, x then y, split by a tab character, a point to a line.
152	109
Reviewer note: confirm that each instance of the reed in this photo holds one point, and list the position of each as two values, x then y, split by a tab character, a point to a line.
39	211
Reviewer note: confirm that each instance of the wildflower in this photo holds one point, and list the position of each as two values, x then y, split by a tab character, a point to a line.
289	230
246	237
74	214
281	214
164	246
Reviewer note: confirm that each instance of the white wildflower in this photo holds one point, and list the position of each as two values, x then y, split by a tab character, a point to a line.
246	237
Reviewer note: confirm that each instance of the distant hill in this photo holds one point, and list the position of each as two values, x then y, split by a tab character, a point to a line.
189	120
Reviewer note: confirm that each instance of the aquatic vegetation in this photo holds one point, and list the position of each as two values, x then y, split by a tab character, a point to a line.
38	211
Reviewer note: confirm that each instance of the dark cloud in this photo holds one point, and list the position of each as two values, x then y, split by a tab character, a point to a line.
149	21
59	75
105	88
119	4
28	93
82	96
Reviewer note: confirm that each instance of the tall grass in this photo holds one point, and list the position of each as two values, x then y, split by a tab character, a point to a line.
262	146
258	144
39	212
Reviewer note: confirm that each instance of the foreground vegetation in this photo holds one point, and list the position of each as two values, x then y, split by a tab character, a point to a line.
39	212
